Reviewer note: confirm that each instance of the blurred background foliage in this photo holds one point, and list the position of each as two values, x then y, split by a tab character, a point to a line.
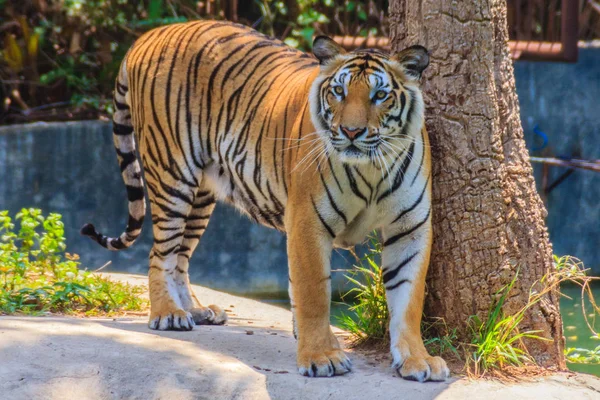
58	58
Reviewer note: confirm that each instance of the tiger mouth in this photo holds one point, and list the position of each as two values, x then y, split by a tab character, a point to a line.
353	152
352	149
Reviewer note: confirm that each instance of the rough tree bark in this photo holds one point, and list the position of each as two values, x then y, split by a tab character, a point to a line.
488	218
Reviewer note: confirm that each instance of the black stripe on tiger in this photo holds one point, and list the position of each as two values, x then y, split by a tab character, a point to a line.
327	227
168	238
334	205
400	235
399	177
388	275
134	193
120	106
122	130
415	204
394	286
353	185
421	162
126	159
134	224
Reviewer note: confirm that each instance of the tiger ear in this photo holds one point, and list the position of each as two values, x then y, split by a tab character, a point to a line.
325	48
413	60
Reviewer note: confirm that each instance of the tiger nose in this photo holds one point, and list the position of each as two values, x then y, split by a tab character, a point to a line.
352	133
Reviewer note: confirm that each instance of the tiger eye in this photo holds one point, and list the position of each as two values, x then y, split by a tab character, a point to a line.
380	95
338	90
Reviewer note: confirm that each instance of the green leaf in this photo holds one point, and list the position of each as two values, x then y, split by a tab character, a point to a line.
307	34
292	42
155	9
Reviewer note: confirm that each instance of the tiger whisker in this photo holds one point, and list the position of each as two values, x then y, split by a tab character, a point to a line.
394	152
300	144
383	156
316	158
301	138
401	150
389	148
328	146
308	155
388	171
382	167
375	152
411	138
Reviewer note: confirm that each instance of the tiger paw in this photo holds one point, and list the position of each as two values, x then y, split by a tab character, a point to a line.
178	320
211	315
328	363
422	369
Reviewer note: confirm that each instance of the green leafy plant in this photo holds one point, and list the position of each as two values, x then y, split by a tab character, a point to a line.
297	22
368	321
311	15
37	275
583	356
66	56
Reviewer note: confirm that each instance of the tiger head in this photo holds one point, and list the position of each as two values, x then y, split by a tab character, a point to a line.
367	105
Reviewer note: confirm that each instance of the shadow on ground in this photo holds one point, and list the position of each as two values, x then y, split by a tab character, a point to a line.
253	357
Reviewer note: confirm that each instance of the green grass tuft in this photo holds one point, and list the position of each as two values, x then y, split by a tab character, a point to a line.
38	276
368	321
497	341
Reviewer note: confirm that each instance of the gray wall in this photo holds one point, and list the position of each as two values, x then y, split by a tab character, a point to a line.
563	100
71	169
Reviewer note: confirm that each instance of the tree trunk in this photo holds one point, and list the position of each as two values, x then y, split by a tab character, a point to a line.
488	219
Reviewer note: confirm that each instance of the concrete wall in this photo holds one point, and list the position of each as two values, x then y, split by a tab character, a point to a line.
71	168
563	100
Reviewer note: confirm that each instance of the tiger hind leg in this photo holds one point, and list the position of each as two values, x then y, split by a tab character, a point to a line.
171	204
197	221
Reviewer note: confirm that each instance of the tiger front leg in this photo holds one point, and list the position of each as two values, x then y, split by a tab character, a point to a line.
405	261
309	251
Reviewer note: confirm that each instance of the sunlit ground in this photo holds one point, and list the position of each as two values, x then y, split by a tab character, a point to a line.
577	332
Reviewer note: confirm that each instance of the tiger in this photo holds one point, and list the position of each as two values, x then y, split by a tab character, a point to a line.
324	147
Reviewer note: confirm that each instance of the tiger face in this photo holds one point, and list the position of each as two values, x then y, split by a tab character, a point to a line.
366	105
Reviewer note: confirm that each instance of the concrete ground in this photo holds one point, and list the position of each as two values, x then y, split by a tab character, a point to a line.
252	357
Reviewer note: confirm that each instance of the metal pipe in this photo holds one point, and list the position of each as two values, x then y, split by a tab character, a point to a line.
570	29
590	165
